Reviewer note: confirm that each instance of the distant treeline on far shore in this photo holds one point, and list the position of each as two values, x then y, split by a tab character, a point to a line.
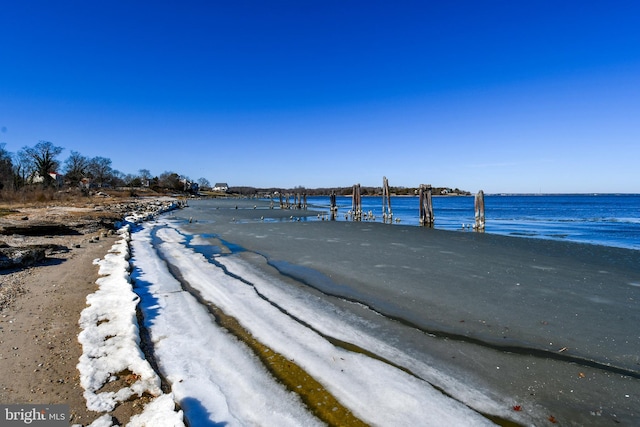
345	191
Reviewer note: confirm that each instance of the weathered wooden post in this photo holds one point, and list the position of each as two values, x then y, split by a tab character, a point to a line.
356	203
421	204
430	217
359	204
426	206
387	215
334	208
479	211
353	201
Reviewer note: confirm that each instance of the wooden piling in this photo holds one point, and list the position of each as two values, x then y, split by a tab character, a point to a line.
387	215
356	203
426	206
334	207
479	211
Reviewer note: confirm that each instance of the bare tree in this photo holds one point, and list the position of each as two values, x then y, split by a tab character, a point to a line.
43	160
204	183
22	166
144	178
131	180
6	167
170	180
117	178
100	169
145	174
76	167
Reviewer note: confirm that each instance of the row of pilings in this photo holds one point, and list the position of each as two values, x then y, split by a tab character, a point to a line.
299	201
425	193
426	216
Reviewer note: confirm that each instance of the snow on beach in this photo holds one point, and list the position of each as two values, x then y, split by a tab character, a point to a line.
218	321
214	376
111	342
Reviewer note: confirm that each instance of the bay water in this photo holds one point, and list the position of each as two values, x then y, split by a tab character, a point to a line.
601	219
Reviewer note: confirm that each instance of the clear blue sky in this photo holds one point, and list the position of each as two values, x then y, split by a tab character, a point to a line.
505	96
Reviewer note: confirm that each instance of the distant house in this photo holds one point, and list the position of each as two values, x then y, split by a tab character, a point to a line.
36	178
58	178
191	187
221	186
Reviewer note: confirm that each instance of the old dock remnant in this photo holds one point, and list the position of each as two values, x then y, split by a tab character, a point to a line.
479	211
387	215
356	203
334	205
426	206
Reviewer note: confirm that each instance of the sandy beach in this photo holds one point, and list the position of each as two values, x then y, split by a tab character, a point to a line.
40	304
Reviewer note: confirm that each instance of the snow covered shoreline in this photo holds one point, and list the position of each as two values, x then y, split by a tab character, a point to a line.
215	378
111	341
237	389
383	373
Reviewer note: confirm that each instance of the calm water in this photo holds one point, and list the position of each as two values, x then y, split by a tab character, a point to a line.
610	220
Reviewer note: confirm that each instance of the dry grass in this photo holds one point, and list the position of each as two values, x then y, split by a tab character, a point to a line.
35	197
43	197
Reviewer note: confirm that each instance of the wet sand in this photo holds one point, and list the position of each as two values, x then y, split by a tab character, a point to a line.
553	324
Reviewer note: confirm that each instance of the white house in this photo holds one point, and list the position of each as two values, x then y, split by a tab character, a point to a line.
221	186
36	178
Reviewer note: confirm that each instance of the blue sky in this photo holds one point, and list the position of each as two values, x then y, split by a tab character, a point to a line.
504	96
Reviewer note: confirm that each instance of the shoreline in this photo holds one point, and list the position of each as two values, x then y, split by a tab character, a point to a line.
56	291
567	308
454	263
41	302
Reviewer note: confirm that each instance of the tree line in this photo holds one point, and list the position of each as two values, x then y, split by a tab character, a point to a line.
344	191
41	166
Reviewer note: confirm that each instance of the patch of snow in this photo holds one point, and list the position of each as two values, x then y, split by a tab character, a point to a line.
111	344
214	378
160	412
